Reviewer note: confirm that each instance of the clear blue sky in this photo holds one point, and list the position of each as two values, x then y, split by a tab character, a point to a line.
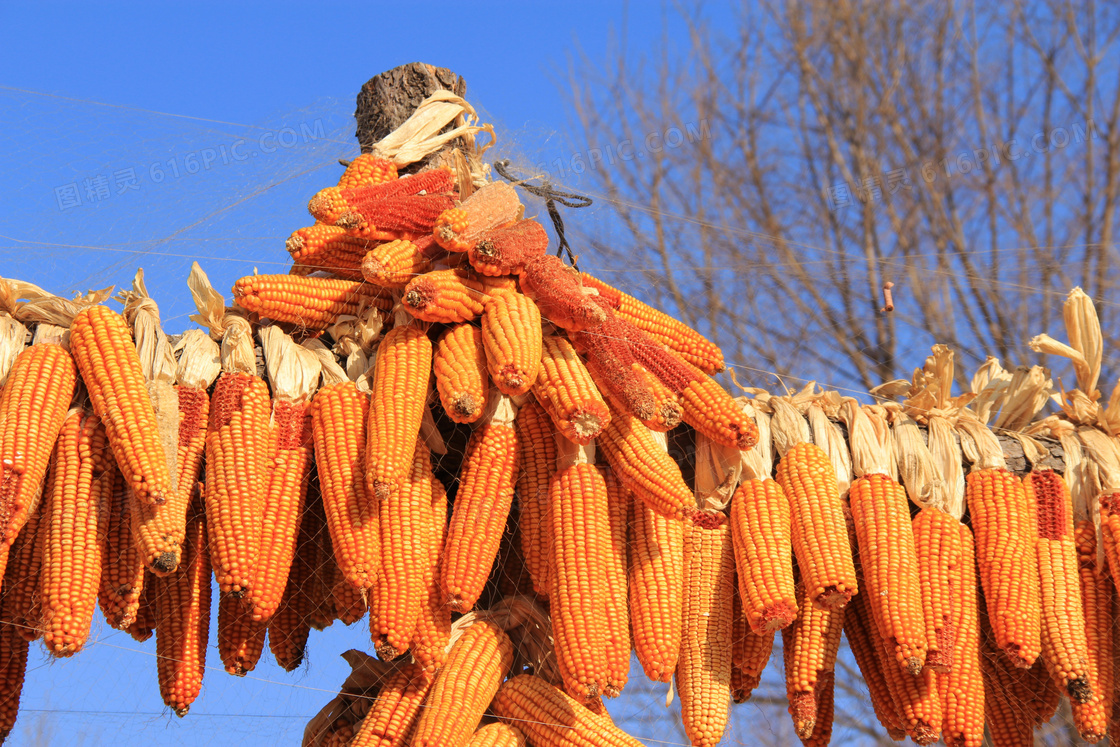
137	110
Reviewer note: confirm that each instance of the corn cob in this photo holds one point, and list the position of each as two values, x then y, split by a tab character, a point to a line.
290	626
240	637
862	642
394	264
448	296
350	602
338	424
310	303
237	453
741	684
1002	521
395	206
644	468
1110	530
1013	704
627	384
509	577
704	666
111	370
404	518
579	517
21	606
819	538
961	689
760	529
557	290
536	445
511	337
459	365
433	624
679	337
619	645
395	710
750	658
122	572
45	375
568	394
810	647
495	204
321	559
397	402
548	716
366	170
323	247
13	669
505	250
481	508
464	687
183	617
82	481
937	542
497	735
1091	719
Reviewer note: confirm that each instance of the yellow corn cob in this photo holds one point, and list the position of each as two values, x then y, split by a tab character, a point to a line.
862	644
350	602
323	247
1064	647
237	452
448	296
825	699
497	735
459	365
397	402
481	508
21	606
619	645
395	710
45	375
760	529
656	590
13	668
1091	719
311	303
536	445
704	666
818	534
405	519
511	336
82	480
548	716
1003	522
881	513
110	368
321	559
367	169
579	517
810	646
750	653
961	689
679	337
290	626
240	637
1110	530
458	228
568	394
463	689
394	264
433	624
937	542
122	572
183	617
160	530
1015	699
645	469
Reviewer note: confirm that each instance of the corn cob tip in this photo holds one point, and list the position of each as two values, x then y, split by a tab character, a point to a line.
385	650
294	244
465	405
416	298
924	734
180	712
323	201
777	616
912	665
611	691
1079	690
166	563
803	709
938	661
349	221
1020	657
707	518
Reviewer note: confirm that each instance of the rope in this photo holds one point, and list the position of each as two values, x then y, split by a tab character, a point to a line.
551	196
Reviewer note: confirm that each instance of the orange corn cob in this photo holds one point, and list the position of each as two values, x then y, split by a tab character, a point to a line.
568	393
144	625
448	296
122	575
82	480
536	445
644	468
481	508
45	375
1015	699
394	264
110	368
395	710
21	606
433	624
183	618
505	250
1003	522
459	365
656	590
704	665
580	517
548	716
237	452
810	645
1091	719
937	542
366	170
397	402
818	534
1110	531
741	684
493	205
619	645
397	598
463	689
751	657
160	530
497	735
323	247
13	668
760	529
679	337
373	206
825	699
509	576
511	336
311	303
290	626
338	423
350	602
240	637
961	689
862	642
321	559
881	513
558	292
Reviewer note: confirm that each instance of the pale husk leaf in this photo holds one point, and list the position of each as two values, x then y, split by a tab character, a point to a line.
141	312
717	473
1026	393
917	470
332	372
787	425
200	359
830	439
165	401
1084	331
13	338
293	371
947	459
419	136
758	461
980	445
210	304
870	451
989	384
1103	450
